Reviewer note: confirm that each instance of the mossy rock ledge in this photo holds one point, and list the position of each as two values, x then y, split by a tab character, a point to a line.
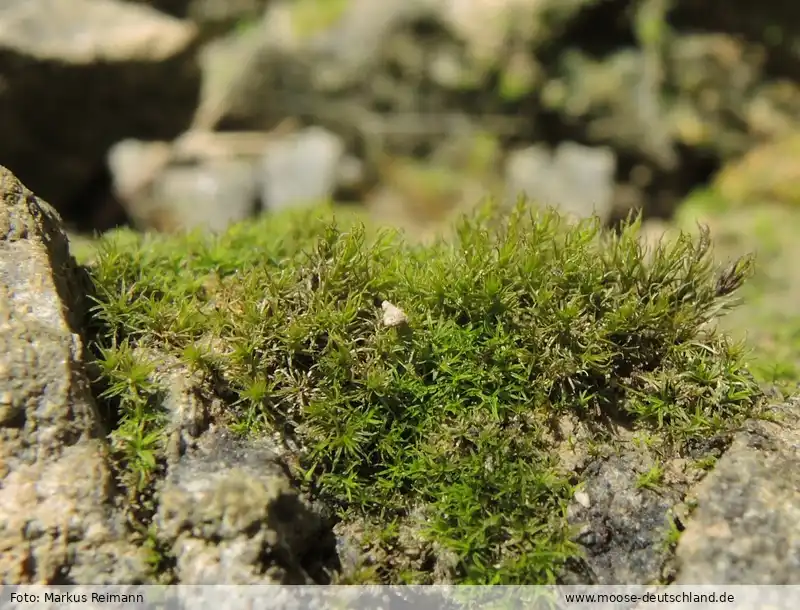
306	400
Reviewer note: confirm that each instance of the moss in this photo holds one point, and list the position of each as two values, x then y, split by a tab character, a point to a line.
651	479
434	438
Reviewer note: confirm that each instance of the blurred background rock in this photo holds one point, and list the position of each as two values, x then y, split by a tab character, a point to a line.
173	114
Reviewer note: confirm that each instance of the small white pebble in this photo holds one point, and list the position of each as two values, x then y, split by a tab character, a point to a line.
393	315
582	498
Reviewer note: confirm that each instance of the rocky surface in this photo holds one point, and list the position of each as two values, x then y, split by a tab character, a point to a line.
621	526
58	523
746	525
201	180
209	196
737	524
210	180
302	169
578	179
229	515
622	520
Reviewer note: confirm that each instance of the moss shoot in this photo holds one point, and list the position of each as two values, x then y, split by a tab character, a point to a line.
443	426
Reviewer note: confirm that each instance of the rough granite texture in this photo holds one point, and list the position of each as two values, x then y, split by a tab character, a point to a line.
620	526
746	528
57	523
229	515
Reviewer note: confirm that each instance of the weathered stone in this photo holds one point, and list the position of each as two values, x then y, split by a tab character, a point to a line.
746	527
623	528
210	196
210	180
57	521
302	168
203	180
79	76
229	515
576	179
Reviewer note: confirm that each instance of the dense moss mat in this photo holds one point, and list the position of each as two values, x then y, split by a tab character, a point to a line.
444	425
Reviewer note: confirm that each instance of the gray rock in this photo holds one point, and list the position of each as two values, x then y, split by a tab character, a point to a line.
746	527
229	515
79	76
162	190
57	520
185	397
576	179
622	530
135	166
740	520
210	196
301	168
